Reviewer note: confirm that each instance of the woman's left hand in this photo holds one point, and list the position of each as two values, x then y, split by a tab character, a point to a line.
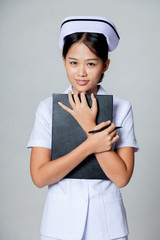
85	116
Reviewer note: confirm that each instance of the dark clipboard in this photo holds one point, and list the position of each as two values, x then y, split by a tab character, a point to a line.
67	134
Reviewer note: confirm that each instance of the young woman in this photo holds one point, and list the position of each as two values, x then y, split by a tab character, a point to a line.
85	209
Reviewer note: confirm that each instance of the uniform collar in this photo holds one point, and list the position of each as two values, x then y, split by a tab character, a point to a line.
101	90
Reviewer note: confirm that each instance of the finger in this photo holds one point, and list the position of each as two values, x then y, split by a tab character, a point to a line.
115	139
101	125
65	108
111	128
76	99
113	134
94	102
70	98
83	98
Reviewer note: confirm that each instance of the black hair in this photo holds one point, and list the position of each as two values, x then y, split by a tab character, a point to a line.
96	42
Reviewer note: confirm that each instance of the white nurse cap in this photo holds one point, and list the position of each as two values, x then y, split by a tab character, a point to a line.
90	24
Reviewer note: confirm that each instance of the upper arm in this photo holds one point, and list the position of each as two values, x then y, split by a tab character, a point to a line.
39	157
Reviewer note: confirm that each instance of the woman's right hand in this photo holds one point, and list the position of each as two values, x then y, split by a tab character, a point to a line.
83	114
102	141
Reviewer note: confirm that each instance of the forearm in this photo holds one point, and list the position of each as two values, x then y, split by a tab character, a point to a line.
115	167
53	171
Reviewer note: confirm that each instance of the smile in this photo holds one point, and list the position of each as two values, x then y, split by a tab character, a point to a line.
82	82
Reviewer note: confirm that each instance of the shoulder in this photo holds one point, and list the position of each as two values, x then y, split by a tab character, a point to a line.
121	110
117	102
121	107
121	104
45	106
44	111
45	103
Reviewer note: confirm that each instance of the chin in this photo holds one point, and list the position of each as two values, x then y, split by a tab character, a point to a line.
80	89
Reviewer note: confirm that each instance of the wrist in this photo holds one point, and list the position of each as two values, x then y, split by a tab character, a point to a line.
89	146
89	128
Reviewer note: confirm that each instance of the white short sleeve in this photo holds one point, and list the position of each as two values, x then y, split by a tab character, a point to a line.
42	129
126	133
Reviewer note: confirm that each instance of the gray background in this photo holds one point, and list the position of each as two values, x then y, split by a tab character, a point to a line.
31	69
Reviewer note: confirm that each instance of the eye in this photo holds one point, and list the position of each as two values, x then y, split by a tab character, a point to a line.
73	63
91	64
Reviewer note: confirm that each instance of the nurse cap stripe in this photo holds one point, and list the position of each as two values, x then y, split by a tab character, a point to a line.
94	20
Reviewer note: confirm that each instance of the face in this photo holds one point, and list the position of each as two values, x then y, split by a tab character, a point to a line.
84	68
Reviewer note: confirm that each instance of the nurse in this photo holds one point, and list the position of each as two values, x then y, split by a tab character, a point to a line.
85	209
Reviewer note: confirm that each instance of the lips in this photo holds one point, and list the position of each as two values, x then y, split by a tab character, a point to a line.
82	82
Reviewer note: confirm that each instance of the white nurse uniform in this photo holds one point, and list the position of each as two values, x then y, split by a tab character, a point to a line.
82	209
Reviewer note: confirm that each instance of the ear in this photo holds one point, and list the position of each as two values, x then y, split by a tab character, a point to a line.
106	65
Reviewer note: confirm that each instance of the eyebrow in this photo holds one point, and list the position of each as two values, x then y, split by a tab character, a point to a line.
89	59
92	59
72	58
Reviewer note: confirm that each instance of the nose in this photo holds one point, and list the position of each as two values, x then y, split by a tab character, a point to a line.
82	71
